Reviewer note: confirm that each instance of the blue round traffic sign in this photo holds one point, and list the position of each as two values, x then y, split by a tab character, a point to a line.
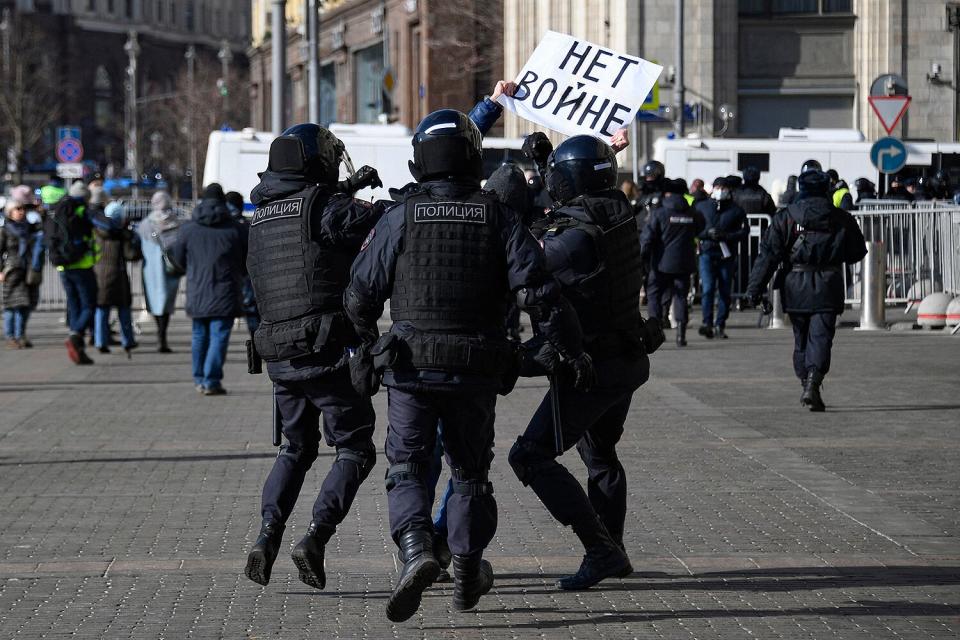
889	155
69	150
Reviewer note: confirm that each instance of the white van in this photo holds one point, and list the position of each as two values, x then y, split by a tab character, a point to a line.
234	158
845	150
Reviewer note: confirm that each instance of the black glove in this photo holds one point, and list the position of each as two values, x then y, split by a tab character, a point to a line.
766	306
715	234
537	147
547	357
365	177
363	376
584	375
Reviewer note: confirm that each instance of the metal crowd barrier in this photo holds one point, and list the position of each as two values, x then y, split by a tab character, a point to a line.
52	296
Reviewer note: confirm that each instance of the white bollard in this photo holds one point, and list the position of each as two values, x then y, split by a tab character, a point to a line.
873	288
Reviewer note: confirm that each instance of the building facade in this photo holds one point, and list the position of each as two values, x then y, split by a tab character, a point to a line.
769	63
381	60
88	43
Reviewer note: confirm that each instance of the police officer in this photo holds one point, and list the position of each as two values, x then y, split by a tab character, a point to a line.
446	258
591	250
304	235
866	190
810	241
840	191
668	243
751	197
726	227
651	191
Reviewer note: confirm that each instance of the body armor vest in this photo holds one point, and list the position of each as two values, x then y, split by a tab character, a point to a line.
815	248
750	200
450	284
607	301
298	282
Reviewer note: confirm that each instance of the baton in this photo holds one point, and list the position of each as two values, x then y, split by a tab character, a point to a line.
277	420
555	408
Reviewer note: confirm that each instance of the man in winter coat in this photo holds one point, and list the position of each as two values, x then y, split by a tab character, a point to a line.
726	227
74	250
751	197
668	245
810	241
213	248
118	245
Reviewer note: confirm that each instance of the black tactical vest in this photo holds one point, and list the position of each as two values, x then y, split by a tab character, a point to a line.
298	283
450	283
608	300
750	200
817	248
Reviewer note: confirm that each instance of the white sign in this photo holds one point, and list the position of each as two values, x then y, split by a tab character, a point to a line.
70	169
575	87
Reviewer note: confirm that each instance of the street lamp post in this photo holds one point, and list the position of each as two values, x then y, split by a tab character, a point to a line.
191	56
226	56
278	48
313	66
678	88
132	47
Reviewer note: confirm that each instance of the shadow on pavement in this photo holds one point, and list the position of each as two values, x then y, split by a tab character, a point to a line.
870	608
190	458
903	407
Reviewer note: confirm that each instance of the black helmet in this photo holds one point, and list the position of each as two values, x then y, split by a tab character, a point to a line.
811	165
813	183
309	150
864	185
581	164
653	170
446	143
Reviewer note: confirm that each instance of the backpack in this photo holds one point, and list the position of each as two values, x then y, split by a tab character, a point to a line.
65	248
167	239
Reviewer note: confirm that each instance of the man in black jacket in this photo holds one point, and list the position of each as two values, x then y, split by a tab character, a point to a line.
212	245
726	228
304	235
668	244
810	241
751	197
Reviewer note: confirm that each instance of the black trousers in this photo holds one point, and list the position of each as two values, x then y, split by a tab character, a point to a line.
812	341
662	288
594	422
468	418
348	424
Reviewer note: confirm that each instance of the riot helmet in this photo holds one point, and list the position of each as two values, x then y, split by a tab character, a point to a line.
311	151
813	183
653	171
446	144
581	164
811	165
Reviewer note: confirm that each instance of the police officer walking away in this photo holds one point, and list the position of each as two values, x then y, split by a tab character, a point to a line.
447	258
668	243
810	241
590	248
304	235
751	197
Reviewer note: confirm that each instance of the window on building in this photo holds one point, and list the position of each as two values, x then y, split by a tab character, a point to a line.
91	5
128	9
103	99
173	13
159	9
793	7
328	94
110	7
368	70
189	15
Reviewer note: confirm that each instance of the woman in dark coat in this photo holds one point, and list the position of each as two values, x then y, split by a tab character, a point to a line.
21	268
118	246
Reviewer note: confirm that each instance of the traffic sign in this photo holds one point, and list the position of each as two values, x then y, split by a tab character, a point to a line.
68	131
889	155
69	150
68	170
889	109
652	101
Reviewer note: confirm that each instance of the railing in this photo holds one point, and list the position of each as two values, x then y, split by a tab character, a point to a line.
52	296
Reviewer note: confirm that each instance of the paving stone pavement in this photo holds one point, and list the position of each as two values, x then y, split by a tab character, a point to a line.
129	503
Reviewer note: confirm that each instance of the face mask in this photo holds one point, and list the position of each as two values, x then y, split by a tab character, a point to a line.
720	194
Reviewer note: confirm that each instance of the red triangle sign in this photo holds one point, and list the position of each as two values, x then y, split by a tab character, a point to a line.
889	109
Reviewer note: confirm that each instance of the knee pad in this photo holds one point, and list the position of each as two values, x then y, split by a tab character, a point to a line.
471	482
527	459
364	458
300	456
405	471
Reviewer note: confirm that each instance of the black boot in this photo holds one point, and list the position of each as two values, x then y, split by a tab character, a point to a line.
472	578
264	552
441	551
811	392
419	571
681	336
308	555
162	323
604	558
